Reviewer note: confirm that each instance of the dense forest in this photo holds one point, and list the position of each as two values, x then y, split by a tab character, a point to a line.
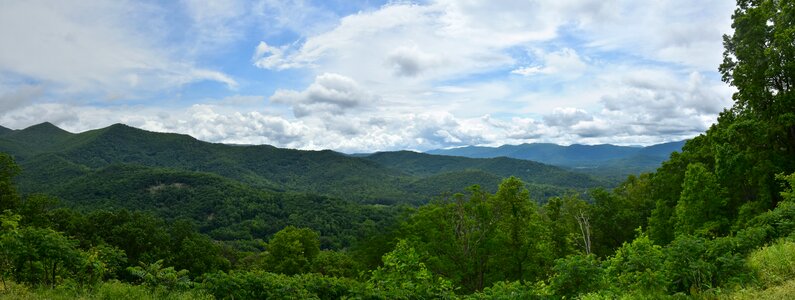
94	215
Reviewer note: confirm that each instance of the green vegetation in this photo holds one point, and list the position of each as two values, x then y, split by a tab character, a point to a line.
715	221
56	161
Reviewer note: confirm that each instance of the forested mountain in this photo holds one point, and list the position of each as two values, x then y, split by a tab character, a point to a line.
603	160
54	158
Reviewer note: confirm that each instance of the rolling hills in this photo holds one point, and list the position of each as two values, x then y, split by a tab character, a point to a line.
55	160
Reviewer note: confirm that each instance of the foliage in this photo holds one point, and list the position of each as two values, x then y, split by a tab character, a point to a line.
263	285
637	266
403	276
701	205
9	198
773	264
512	290
155	275
292	251
576	275
335	264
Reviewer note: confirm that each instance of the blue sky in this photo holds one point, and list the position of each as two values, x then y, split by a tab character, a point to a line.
360	76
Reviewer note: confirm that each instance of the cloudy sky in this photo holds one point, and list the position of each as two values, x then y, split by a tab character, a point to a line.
360	75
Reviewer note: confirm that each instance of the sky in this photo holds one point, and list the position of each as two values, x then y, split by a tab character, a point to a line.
364	76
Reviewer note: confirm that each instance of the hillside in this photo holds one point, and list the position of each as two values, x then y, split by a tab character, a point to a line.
51	157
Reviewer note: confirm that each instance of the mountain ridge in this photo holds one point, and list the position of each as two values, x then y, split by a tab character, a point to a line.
377	178
606	160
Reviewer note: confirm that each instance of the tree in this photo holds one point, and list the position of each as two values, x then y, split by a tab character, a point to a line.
156	275
757	135
44	254
9	244
568	222
456	235
759	60
575	275
520	233
701	204
637	266
9	198
403	276
335	264
292	250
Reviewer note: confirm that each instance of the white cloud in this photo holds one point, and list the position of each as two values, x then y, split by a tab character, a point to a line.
216	22
329	94
564	63
567	116
97	47
410	61
19	96
403	76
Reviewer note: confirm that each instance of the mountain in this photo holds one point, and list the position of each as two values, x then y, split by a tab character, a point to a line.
4	131
55	160
422	164
614	162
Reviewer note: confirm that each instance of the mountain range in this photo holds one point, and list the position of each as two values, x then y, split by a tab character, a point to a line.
56	161
606	161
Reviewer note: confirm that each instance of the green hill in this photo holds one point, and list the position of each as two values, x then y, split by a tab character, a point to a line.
51	157
529	171
4	130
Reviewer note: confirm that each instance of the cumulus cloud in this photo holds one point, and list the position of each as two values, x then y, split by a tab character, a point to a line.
564	63
19	97
410	61
269	57
330	93
404	75
566	116
97	47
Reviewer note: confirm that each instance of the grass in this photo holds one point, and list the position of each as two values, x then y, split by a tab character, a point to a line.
774	264
107	290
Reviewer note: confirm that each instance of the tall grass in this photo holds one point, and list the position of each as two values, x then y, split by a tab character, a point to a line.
107	290
774	264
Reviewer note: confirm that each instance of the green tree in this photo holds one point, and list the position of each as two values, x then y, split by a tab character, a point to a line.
457	237
9	198
45	254
156	275
292	250
335	264
637	266
404	276
521	235
10	245
575	275
755	139
568	223
702	203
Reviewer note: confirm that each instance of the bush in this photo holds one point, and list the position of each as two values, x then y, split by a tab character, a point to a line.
263	285
512	290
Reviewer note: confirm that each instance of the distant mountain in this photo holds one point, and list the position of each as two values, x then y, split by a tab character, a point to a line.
4	130
604	160
421	164
56	161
